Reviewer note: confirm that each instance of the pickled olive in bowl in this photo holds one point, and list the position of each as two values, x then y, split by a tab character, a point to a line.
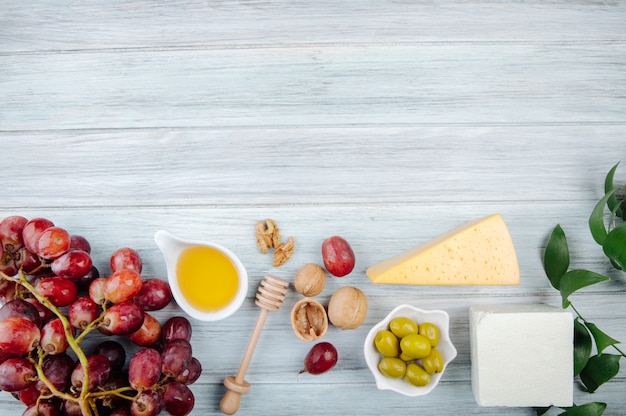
403	326
387	343
392	367
416	375
431	332
415	346
433	362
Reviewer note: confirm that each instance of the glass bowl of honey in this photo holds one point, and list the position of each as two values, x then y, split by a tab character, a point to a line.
208	281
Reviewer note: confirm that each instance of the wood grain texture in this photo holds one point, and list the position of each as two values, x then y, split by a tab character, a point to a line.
386	122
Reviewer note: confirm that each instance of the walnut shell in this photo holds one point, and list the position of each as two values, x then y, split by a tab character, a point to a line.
310	280
309	319
347	307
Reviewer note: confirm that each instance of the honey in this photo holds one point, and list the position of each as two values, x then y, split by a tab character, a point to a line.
207	278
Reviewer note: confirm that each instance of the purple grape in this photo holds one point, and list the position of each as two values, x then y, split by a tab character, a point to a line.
99	369
144	369
114	351
178	399
177	327
20	309
175	357
147	403
16	374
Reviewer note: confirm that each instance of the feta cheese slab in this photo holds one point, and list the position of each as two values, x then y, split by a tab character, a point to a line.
521	355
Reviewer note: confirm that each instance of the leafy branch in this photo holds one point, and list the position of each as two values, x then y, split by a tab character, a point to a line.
597	369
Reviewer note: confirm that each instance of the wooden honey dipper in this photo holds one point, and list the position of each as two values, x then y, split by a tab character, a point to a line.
269	297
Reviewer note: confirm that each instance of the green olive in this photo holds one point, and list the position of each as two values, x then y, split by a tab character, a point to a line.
430	331
387	343
416	375
402	327
406	358
392	367
433	362
415	346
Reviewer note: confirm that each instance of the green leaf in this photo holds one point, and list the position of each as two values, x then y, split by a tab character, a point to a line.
602	340
614	245
596	220
577	279
556	257
588	409
582	346
612	203
599	370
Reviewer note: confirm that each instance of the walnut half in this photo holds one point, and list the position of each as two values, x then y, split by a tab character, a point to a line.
309	319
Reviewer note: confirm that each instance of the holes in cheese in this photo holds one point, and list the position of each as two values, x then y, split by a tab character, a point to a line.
480	252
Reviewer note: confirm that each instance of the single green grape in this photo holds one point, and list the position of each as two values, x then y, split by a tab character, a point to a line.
387	343
416	375
433	362
392	367
430	331
402	327
415	346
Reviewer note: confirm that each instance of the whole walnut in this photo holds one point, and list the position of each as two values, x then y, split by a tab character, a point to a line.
347	307
310	280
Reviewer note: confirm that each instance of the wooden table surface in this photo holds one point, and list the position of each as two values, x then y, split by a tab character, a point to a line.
385	122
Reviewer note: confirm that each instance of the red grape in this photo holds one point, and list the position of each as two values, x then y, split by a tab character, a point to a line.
98	367
154	295
177	327
7	289
96	290
321	358
338	256
122	285
178	399
58	370
175	357
60	292
122	319
78	242
7	264
149	333
11	231
28	395
28	261
71	408
18	335
53	339
191	373
85	280
33	230
42	408
144	369
17	374
20	309
114	351
72	265
125	258
147	403
44	313
53	242
82	312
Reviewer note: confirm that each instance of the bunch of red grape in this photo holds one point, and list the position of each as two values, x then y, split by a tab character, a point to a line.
52	297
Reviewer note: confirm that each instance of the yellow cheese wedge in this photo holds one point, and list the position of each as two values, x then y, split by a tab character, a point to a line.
479	252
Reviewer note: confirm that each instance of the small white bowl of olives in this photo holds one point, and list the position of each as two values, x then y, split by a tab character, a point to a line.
409	350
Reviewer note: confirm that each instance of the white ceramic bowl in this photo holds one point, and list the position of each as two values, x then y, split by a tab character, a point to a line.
445	347
171	247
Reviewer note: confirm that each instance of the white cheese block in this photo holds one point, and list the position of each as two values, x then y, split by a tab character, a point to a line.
522	355
477	253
